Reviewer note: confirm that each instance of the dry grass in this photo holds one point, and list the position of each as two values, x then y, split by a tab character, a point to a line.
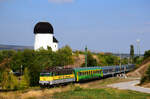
33	94
37	93
139	71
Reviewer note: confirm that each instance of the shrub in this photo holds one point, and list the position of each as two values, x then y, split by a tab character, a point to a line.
10	82
147	54
146	76
34	74
108	59
6	54
64	56
76	53
25	81
91	61
148	73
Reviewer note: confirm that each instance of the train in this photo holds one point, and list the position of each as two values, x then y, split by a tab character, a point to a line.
58	75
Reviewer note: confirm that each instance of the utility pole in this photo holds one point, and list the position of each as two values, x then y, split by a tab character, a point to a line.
85	56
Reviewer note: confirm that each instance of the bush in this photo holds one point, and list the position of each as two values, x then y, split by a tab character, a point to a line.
76	53
148	73
138	60
147	54
6	54
108	59
91	61
10	82
64	56
25	81
34	74
146	76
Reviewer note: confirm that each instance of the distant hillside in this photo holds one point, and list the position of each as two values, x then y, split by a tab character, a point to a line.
125	55
14	47
18	47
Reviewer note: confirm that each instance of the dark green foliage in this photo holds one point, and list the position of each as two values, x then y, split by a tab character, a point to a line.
1	72
138	60
91	61
131	53
34	61
108	59
34	73
64	56
124	61
6	54
147	54
25	80
76	53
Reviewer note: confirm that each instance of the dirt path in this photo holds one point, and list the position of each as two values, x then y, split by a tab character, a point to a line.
130	86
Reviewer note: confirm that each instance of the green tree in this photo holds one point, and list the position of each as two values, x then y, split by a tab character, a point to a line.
16	61
108	59
77	53
131	52
147	54
138	60
6	54
65	56
34	73
25	80
91	61
5	82
10	82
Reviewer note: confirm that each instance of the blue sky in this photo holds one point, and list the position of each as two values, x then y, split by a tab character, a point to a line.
102	25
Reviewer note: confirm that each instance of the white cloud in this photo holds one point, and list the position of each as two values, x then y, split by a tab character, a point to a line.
61	1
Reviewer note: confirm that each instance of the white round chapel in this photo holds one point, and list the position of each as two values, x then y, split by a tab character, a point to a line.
44	37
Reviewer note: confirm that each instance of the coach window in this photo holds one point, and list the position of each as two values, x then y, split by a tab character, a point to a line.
80	73
85	73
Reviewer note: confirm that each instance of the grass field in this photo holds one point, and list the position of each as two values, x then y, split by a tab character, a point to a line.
103	93
90	90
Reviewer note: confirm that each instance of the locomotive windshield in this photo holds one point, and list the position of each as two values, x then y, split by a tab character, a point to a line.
45	74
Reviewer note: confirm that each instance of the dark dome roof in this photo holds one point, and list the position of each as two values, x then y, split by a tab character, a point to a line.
55	40
43	28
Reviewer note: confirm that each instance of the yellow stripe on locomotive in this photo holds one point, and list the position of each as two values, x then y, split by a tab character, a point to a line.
57	77
63	77
46	78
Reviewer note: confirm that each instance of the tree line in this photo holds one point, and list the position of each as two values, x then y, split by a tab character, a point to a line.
30	63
